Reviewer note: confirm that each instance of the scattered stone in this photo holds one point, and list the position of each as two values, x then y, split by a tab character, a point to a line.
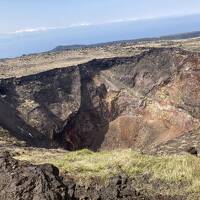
193	151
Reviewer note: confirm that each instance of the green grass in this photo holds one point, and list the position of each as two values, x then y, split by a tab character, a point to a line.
85	165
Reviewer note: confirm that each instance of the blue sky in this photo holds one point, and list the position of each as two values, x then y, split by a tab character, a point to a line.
30	26
17	16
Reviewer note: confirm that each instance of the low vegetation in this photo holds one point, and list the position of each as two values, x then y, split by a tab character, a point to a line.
180	172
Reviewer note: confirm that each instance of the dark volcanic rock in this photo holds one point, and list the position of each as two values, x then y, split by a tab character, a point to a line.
119	187
192	150
137	102
20	180
24	181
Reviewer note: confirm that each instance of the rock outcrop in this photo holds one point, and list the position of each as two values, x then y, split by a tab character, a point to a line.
21	180
138	102
24	181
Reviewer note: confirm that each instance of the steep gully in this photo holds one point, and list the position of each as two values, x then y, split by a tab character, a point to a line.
138	102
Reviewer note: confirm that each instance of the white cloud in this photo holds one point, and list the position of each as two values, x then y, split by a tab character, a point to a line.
26	30
130	19
123	20
42	29
78	25
38	29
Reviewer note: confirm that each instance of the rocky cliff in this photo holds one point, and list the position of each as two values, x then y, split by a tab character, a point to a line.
138	102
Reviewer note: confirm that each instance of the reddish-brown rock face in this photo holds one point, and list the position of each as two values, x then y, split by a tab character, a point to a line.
139	102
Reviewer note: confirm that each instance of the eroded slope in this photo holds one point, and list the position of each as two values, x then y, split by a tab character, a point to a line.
141	102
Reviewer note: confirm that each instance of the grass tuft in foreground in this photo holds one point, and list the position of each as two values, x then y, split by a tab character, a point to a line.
85	165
